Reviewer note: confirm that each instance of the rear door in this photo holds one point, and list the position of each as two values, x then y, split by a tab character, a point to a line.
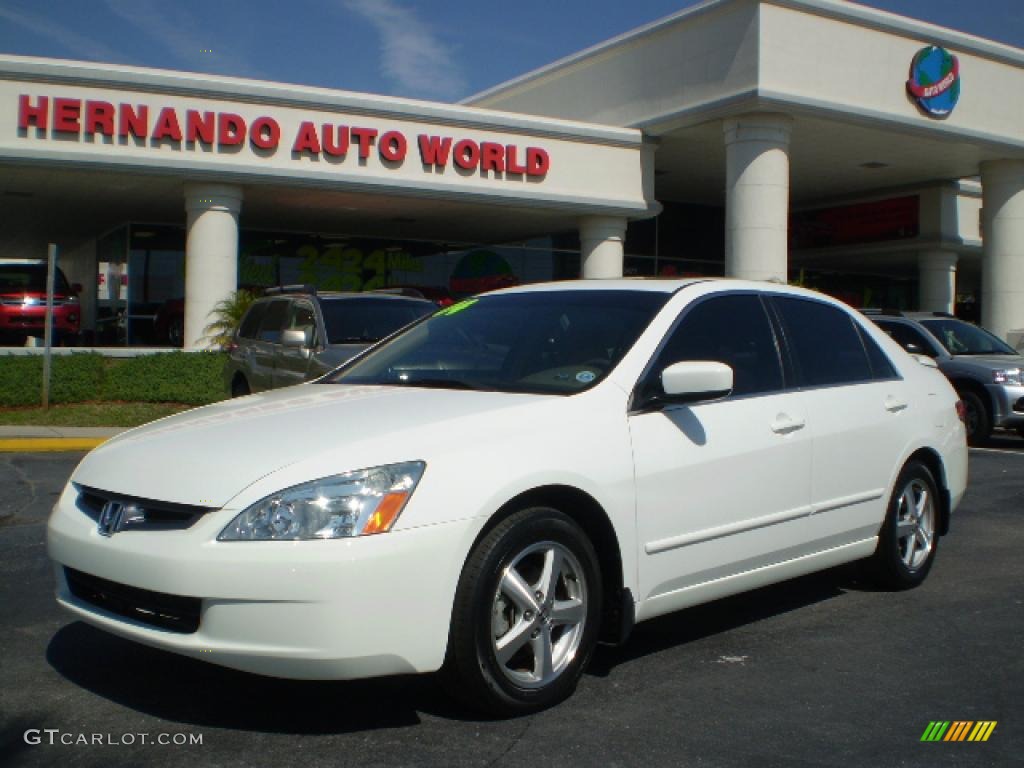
857	404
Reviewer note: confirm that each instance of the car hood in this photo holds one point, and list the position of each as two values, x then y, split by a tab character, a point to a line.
209	455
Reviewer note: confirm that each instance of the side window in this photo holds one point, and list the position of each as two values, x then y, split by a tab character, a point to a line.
825	344
251	322
908	337
303	316
881	366
273	321
732	329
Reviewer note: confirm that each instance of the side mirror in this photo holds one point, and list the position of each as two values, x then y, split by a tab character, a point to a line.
695	381
297	337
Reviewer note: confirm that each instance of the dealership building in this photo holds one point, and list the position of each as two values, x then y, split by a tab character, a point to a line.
871	156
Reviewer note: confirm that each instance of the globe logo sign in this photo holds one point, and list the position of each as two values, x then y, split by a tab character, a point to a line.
935	80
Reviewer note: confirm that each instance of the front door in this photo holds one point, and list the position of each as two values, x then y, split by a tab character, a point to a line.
722	487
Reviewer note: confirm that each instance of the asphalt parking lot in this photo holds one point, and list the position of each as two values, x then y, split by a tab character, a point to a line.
822	670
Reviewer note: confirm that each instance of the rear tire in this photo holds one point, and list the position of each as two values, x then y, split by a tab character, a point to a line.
979	425
909	537
526	615
240	387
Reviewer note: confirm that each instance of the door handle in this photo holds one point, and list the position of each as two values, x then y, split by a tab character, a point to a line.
894	405
784	424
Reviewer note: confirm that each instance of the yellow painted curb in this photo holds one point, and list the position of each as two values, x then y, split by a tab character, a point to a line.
39	444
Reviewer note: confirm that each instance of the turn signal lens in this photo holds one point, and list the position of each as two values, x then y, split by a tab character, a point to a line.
386	513
961	411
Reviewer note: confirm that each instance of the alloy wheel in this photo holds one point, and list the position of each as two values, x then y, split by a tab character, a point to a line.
538	614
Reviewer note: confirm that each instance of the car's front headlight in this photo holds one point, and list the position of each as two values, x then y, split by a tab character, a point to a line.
341	506
1007	376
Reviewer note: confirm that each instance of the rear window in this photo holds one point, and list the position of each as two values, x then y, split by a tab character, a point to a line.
366	320
827	347
30	278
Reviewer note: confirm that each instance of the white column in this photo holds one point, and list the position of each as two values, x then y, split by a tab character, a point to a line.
211	254
601	239
757	197
936	281
1002	265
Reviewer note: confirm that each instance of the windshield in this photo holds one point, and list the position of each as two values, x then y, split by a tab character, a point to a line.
549	342
960	338
364	321
30	278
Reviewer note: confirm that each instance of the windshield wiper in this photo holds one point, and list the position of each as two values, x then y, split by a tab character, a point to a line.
437	383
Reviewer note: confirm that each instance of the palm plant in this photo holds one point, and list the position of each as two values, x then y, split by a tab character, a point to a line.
227	315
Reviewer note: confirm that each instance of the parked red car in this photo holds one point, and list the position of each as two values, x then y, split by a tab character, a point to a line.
23	303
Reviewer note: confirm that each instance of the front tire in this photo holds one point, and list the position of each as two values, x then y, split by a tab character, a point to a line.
909	538
526	615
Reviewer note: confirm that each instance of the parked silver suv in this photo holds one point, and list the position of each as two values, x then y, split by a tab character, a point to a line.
984	370
295	334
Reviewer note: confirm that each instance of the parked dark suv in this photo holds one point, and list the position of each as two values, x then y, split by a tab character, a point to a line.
983	369
295	334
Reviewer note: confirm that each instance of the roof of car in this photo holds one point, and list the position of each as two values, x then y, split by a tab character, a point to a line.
664	285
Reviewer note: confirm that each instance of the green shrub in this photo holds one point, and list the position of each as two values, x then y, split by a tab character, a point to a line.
193	378
73	379
173	377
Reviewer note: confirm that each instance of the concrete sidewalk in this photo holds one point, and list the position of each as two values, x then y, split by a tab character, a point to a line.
29	439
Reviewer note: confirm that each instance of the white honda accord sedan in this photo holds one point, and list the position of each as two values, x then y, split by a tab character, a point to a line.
502	485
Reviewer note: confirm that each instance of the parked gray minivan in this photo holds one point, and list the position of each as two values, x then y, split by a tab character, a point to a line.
295	334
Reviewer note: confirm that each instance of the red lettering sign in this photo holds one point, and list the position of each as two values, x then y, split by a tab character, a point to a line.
336	140
307	140
200	126
167	126
266	133
434	150
99	117
65	115
29	115
467	154
230	129
132	121
393	146
365	137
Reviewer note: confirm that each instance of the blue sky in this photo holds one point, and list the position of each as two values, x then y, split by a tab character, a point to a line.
444	49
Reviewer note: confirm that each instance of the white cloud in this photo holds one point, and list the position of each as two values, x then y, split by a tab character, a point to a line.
413	57
179	33
73	43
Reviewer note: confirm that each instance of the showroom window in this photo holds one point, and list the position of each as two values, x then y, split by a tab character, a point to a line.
827	348
732	329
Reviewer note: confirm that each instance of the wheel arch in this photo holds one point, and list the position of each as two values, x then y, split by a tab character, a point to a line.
617	612
931	459
962	384
239	377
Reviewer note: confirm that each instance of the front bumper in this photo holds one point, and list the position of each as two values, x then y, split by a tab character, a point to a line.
341	609
31	318
1009	406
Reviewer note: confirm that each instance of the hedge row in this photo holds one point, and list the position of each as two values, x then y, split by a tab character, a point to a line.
173	377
